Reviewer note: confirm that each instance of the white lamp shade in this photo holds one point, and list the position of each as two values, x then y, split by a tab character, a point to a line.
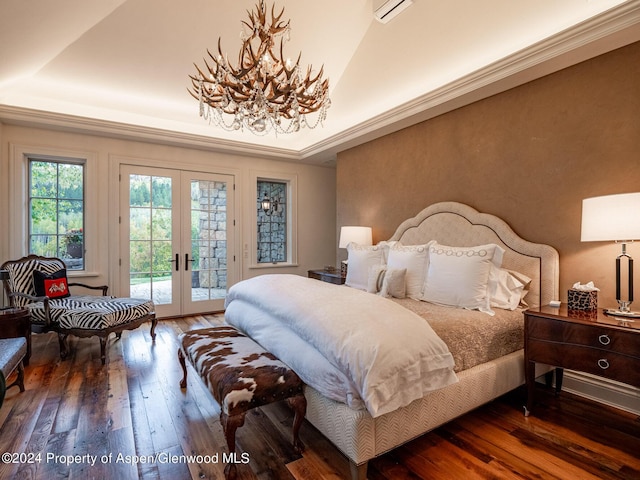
359	235
611	218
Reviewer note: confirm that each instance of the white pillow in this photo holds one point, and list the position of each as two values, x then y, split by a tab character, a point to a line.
415	260
459	276
386	282
394	283
386	246
376	278
360	259
507	288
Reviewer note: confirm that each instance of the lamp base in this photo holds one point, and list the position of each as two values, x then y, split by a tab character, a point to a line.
625	317
623	309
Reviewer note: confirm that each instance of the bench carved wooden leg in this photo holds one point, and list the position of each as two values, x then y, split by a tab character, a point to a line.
183	382
230	423
299	405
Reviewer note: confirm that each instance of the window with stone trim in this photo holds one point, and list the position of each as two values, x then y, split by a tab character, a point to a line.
272	228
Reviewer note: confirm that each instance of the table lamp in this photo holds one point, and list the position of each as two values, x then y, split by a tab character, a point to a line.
614	218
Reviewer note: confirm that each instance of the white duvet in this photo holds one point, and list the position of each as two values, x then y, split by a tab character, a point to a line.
351	346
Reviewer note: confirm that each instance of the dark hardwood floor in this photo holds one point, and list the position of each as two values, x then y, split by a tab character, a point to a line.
131	419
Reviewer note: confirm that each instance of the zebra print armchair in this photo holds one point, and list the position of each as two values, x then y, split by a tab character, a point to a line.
40	284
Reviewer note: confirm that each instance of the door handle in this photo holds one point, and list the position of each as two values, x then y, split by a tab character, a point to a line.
177	262
186	262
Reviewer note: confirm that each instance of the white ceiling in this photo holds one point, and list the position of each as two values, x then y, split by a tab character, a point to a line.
125	63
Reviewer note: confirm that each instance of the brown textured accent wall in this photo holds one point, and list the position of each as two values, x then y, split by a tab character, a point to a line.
528	155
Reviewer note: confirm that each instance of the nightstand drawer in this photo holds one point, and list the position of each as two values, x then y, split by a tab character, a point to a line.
603	363
571	333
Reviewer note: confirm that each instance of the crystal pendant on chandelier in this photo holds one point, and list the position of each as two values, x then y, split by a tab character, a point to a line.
265	92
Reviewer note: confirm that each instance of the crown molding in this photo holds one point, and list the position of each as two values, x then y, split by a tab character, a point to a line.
107	128
612	29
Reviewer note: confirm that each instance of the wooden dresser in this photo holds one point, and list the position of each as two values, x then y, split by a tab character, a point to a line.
594	343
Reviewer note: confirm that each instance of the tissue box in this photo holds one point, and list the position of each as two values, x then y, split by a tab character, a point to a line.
584	301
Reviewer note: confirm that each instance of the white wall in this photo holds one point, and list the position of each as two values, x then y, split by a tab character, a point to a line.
316	186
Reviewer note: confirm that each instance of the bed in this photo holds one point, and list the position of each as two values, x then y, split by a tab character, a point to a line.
366	426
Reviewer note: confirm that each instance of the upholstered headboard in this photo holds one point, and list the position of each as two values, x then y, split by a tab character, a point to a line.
459	225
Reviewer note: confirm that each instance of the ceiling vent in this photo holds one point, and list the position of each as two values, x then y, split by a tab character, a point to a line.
390	8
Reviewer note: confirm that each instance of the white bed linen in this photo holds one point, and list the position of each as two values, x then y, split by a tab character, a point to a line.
395	359
280	340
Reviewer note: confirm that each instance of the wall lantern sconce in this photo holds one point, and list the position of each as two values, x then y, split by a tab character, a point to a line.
269	205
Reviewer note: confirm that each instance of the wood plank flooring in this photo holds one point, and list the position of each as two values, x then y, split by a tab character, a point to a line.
130	420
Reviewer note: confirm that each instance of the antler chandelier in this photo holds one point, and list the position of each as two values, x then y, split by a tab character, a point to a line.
264	92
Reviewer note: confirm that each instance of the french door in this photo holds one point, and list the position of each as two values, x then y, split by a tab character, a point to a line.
177	238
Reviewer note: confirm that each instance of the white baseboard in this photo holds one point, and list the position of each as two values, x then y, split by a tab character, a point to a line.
615	394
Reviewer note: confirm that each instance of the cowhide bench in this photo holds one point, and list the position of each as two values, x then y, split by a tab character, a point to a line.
241	375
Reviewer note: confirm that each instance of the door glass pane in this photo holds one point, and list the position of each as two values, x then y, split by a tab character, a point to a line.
208	240
150	252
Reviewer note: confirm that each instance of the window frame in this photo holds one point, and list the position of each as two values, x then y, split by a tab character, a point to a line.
19	195
291	186
59	161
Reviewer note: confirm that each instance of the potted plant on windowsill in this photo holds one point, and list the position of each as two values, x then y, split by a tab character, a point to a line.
73	241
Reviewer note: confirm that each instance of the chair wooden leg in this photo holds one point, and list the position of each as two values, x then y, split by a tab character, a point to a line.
64	348
183	382
3	388
20	379
154	322
103	349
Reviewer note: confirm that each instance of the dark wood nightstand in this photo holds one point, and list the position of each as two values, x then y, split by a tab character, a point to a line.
588	342
327	276
16	322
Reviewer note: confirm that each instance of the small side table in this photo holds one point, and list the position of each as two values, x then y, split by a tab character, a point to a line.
591	342
16	322
327	276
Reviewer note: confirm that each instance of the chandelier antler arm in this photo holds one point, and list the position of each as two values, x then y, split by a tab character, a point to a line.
197	82
210	97
295	66
202	74
310	81
276	26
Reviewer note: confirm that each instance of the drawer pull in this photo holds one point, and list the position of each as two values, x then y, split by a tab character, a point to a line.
603	363
604	339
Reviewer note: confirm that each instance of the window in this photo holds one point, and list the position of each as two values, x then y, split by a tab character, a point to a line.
274	237
272	222
56	210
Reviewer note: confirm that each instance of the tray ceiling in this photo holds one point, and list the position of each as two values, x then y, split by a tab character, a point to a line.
124	64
